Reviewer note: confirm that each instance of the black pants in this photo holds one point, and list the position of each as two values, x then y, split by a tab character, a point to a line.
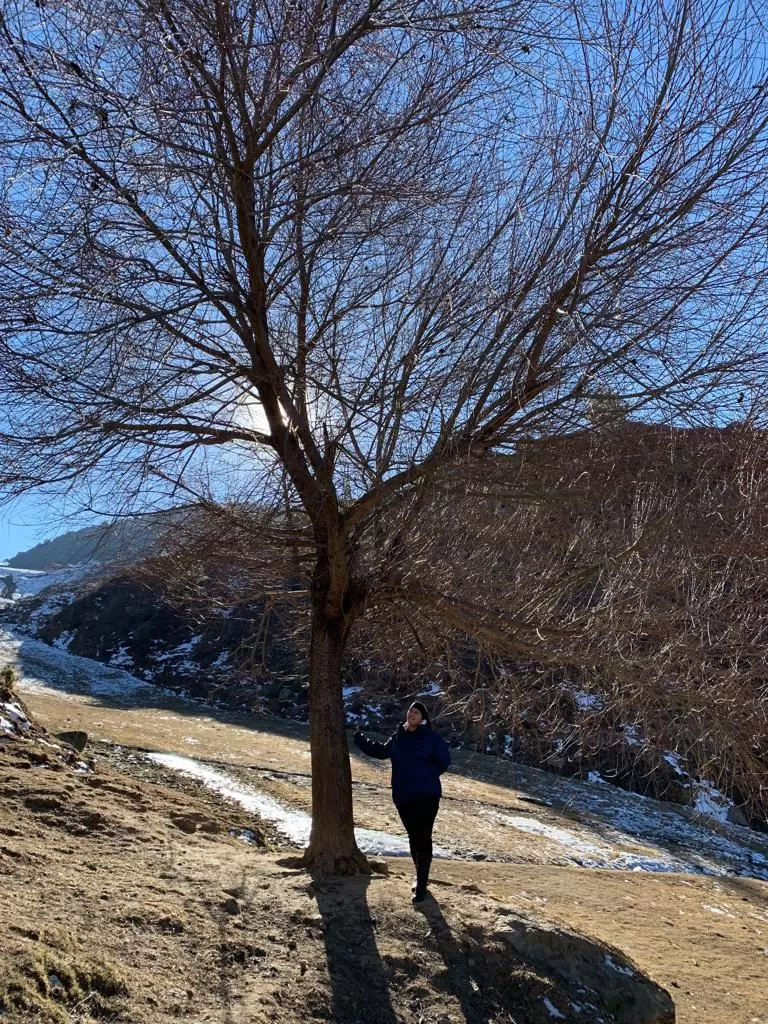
418	817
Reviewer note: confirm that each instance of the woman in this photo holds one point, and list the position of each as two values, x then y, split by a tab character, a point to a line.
419	757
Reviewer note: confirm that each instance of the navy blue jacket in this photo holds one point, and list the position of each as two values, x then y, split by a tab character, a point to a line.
419	758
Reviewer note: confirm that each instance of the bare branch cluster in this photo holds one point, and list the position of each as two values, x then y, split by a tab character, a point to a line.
319	255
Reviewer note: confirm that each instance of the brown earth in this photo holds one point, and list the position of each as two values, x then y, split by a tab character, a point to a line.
128	893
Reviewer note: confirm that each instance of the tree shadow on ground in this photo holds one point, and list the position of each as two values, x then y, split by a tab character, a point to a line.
358	976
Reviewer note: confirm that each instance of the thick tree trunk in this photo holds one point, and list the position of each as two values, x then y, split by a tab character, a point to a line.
332	848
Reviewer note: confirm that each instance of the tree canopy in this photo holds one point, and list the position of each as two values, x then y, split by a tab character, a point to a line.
315	255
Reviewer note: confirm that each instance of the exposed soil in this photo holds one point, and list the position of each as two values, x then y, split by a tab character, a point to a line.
129	893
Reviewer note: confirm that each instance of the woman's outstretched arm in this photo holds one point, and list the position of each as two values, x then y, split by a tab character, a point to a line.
372	747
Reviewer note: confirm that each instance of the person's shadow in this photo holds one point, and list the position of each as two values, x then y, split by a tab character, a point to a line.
359	981
457	978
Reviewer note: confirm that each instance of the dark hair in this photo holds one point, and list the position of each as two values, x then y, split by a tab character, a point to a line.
421	709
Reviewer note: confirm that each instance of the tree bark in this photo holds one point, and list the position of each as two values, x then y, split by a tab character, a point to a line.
332	847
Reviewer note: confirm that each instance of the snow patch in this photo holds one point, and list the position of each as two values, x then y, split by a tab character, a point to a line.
716	910
42	667
552	1010
295	825
63	640
433	689
673	760
561	836
610	962
710	801
12	719
632	735
586	701
122	658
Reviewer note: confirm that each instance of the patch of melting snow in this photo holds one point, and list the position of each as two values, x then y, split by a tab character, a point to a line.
561	836
431	690
673	760
30	582
716	910
632	735
585	701
295	825
710	801
16	719
610	962
705	853
552	1010
597	778
698	849
63	640
122	658
42	667
180	650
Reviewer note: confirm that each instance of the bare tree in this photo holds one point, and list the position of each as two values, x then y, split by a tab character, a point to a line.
315	255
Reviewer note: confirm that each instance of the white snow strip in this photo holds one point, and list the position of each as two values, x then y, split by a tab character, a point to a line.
295	825
30	582
17	714
618	968
716	910
561	836
181	649
553	1010
673	760
122	658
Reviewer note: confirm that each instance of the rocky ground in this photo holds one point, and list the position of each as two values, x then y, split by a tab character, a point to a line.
131	892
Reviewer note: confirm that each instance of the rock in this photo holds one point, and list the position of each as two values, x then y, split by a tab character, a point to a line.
737	817
625	990
230	906
210	826
181	821
75	738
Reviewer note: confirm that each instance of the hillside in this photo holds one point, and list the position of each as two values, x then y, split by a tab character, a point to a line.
124	541
136	893
641	549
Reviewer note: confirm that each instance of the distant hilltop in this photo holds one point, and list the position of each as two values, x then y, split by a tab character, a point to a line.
127	540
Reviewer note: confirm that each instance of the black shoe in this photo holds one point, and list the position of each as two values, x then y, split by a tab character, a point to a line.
419	894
